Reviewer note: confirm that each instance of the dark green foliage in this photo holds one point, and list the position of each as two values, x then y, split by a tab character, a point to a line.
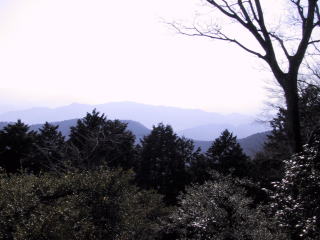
266	170
162	164
96	141
277	146
296	199
220	210
47	151
310	111
225	155
15	144
199	168
95	204
268	165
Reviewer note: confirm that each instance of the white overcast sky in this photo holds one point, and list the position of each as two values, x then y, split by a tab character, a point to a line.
56	52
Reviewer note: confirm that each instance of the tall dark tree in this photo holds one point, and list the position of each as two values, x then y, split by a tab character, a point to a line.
15	144
283	49
162	164
47	151
226	155
95	141
277	144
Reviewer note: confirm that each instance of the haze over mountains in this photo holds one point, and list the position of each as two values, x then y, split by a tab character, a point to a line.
191	123
64	127
251	144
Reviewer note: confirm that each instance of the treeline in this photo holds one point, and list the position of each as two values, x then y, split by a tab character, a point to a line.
98	184
162	161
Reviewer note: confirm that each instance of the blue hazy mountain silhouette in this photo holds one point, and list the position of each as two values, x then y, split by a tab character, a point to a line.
251	144
191	123
64	127
211	131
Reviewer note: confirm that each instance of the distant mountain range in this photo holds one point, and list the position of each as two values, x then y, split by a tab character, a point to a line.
210	131
64	127
191	123
251	145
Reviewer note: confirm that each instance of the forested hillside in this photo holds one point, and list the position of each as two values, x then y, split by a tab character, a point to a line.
99	183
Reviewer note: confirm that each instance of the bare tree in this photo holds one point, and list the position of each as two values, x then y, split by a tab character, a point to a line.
277	48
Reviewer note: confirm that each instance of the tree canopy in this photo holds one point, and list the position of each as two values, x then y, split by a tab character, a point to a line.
163	159
15	144
96	141
226	155
48	150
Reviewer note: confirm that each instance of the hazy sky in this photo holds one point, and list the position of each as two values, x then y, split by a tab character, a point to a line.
55	52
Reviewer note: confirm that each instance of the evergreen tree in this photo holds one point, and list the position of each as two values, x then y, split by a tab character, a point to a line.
95	141
276	146
226	155
268	164
163	159
48	150
199	168
15	144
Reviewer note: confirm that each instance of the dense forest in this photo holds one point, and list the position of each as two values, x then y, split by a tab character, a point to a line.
99	184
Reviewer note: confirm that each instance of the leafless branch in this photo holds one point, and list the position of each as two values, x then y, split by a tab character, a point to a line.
253	11
281	42
218	35
300	11
314	41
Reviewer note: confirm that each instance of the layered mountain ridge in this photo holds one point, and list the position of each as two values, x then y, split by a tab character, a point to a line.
191	123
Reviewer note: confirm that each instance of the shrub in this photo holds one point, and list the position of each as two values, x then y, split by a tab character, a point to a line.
95	204
220	210
296	199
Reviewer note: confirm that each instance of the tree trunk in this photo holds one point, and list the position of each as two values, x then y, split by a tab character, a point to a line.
293	116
